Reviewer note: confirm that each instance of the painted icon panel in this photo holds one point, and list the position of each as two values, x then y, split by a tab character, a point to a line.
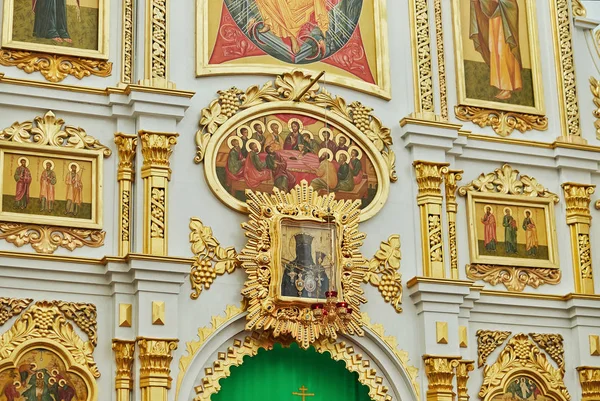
522	388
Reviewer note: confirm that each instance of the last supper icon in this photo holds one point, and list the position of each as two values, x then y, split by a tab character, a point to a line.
307	259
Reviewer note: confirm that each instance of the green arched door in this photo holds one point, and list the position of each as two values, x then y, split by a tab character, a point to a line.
275	375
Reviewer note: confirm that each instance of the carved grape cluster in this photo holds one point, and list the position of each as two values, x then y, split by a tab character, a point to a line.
389	287
361	116
522	349
44	320
204	274
229	101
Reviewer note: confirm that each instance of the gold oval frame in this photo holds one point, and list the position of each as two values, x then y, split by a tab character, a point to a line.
305	109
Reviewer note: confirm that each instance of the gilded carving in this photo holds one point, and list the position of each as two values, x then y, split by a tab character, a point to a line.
462	377
155	356
210	258
487	342
84	315
384	272
440	376
522	356
451	178
595	88
579	9
578	198
589	378
54	67
513	278
439	41
429	176
157	148
125	216
157	213
423	76
124	356
435	238
127	44
552	344
502	122
126	147
10	307
157	52
262	263
46	239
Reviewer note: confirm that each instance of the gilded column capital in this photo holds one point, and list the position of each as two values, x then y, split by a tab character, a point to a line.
124	354
429	176
462	377
440	375
589	378
578	198
451	179
155	355
126	146
157	148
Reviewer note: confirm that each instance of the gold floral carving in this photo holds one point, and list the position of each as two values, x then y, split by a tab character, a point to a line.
423	76
440	375
565	69
126	147
84	315
429	176
10	307
54	67
589	378
502	122
127	44
462	377
156	71
579	9
157	213
578	198
124	356
210	258
289	87
513	278
595	88
157	148
46	239
451	178
297	320
522	356
49	130
487	342
439	41
155	356
45	321
250	345
384	272
552	344
506	180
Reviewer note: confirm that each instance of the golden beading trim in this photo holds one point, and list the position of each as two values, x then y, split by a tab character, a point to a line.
506	180
440	376
126	147
502	122
462	377
155	356
441	59
522	356
384	272
156	60
48	130
54	67
45	320
451	178
421	52
578	9
10	307
296	319
127	40
124	356
565	71
589	379
338	351
487	342
552	344
513	278
287	87
47	239
210	258
595	89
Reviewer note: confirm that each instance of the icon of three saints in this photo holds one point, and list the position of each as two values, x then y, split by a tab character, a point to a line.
510	232
48	181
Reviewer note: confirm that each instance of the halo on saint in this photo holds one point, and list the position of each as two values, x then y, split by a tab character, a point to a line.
45	162
359	152
329	153
23	158
525	212
231	139
485	208
78	167
509	209
262	125
274	122
322	132
239	131
340	153
307	132
299	124
340	135
251	141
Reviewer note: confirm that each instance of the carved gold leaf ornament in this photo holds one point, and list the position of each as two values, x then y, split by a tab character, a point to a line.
553	344
296	319
55	67
124	356
595	89
502	122
47	239
210	259
84	315
384	272
522	357
589	378
513	278
487	342
10	307
462	377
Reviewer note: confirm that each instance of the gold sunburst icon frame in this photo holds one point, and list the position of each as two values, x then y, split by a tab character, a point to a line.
261	259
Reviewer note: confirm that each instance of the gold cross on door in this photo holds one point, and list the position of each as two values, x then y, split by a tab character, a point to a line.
303	393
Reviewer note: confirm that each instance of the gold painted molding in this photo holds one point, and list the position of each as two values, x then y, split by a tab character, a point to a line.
595	89
210	259
54	67
384	272
156	60
451	179
422	65
462	377
502	122
441	59
10	307
487	342
124	356
579	219
158	313
513	278
126	147
589	378
157	148
429	176
127	42
552	344
441	332
155	355
125	315
440	376
47	239
594	344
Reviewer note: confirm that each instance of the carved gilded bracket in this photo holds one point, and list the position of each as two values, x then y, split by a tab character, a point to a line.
553	345
384	272
10	307
487	342
502	122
